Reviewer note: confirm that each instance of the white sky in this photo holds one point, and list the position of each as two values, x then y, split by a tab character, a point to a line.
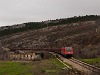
21	11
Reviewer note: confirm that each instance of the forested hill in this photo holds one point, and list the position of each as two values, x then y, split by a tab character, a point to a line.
82	33
37	25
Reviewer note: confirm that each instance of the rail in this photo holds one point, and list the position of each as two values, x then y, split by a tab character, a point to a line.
88	66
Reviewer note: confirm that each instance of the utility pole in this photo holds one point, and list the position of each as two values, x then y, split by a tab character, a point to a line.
47	25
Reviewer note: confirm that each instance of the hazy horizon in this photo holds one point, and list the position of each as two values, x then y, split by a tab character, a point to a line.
21	11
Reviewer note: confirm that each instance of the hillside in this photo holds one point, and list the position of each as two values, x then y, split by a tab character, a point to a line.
84	36
7	30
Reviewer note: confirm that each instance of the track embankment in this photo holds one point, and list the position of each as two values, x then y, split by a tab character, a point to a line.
87	69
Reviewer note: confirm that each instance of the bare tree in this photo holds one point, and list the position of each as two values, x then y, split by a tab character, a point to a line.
0	47
1	51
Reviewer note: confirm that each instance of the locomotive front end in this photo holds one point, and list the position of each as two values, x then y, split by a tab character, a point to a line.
67	51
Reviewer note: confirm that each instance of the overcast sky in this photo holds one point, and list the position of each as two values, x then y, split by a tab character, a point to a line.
21	11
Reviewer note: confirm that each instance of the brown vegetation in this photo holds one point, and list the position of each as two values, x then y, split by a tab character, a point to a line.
83	36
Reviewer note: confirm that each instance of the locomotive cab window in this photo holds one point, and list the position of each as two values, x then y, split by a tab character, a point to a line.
68	48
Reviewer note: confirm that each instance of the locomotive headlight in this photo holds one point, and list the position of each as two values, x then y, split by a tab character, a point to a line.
68	52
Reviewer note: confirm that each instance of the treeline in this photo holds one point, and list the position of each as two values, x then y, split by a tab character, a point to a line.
38	25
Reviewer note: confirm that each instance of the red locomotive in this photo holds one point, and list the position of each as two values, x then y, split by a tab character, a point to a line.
67	51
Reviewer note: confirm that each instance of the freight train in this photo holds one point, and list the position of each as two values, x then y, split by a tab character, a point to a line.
65	51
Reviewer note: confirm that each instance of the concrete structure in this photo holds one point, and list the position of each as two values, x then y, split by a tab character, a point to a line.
21	56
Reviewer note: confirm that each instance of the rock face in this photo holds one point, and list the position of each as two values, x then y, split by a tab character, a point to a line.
78	35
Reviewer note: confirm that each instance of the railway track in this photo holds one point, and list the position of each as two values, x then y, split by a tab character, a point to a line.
92	68
87	69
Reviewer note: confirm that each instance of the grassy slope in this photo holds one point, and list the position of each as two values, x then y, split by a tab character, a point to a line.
45	67
93	61
15	68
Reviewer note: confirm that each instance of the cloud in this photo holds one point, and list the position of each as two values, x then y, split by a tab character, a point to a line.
20	11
